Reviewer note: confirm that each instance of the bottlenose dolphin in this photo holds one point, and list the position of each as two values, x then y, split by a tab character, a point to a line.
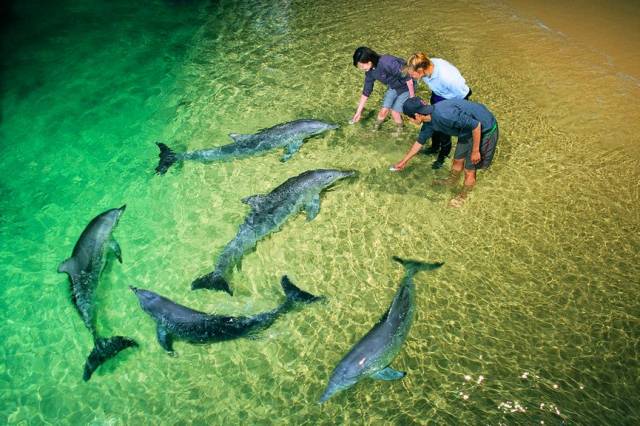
177	321
268	213
84	268
289	135
371	356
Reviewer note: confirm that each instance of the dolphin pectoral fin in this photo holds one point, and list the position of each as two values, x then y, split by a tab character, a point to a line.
165	340
113	244
388	374
291	149
313	207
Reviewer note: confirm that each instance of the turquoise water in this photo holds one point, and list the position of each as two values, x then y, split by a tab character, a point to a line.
538	295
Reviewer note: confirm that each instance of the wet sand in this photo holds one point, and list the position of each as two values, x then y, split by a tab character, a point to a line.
610	29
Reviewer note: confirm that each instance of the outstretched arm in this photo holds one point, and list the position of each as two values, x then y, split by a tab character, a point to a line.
412	151
358	114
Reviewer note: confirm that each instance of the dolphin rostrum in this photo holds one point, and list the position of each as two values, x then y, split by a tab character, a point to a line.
179	322
371	356
268	213
289	135
84	268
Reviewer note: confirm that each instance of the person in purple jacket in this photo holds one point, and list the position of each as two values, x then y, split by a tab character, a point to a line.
386	69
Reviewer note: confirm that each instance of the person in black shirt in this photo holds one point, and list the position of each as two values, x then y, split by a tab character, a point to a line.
386	69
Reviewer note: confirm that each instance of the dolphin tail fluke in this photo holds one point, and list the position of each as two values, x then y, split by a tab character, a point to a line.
414	266
105	349
212	281
295	295
167	158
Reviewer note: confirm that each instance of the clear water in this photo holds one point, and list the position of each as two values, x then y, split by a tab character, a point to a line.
539	293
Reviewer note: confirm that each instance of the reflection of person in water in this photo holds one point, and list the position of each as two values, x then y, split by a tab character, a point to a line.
473	124
445	82
386	69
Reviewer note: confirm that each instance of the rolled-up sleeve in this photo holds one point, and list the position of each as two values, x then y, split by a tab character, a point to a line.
369	79
466	123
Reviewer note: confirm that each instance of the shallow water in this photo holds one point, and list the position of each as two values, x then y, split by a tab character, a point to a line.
538	294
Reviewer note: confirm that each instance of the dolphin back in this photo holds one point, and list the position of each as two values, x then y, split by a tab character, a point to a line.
104	350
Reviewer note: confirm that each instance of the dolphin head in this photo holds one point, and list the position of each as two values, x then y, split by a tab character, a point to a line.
315	127
336	384
145	297
328	177
113	215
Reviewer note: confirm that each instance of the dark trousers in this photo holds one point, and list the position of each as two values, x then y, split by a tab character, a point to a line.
439	140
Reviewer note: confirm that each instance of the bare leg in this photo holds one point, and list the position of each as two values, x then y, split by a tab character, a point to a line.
381	117
469	183
469	177
454	175
396	117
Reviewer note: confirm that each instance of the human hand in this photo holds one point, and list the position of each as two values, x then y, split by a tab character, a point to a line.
355	118
475	157
397	167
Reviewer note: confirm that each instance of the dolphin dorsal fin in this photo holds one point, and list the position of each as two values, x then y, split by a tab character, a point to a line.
254	200
237	137
68	266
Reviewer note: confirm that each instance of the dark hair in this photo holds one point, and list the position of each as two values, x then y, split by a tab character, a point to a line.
363	55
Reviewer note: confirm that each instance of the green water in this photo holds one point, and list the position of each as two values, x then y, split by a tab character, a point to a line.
539	291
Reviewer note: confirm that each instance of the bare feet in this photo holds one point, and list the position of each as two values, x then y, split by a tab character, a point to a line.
458	201
451	180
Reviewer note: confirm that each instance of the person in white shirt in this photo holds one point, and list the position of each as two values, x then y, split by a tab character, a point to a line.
445	82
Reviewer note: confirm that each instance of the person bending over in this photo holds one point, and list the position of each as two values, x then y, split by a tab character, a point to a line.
473	124
445	82
386	69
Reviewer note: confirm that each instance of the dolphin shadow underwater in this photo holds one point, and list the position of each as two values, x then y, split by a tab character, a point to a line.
289	135
176	321
268	213
84	268
371	356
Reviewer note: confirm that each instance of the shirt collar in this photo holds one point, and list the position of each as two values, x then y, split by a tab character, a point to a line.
435	72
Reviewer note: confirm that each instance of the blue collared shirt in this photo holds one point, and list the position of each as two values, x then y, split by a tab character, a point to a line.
457	117
389	72
446	81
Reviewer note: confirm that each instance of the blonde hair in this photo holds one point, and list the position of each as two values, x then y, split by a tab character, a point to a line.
417	62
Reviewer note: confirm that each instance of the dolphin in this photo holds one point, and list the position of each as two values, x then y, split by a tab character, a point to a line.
177	321
371	356
289	135
268	213
84	268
